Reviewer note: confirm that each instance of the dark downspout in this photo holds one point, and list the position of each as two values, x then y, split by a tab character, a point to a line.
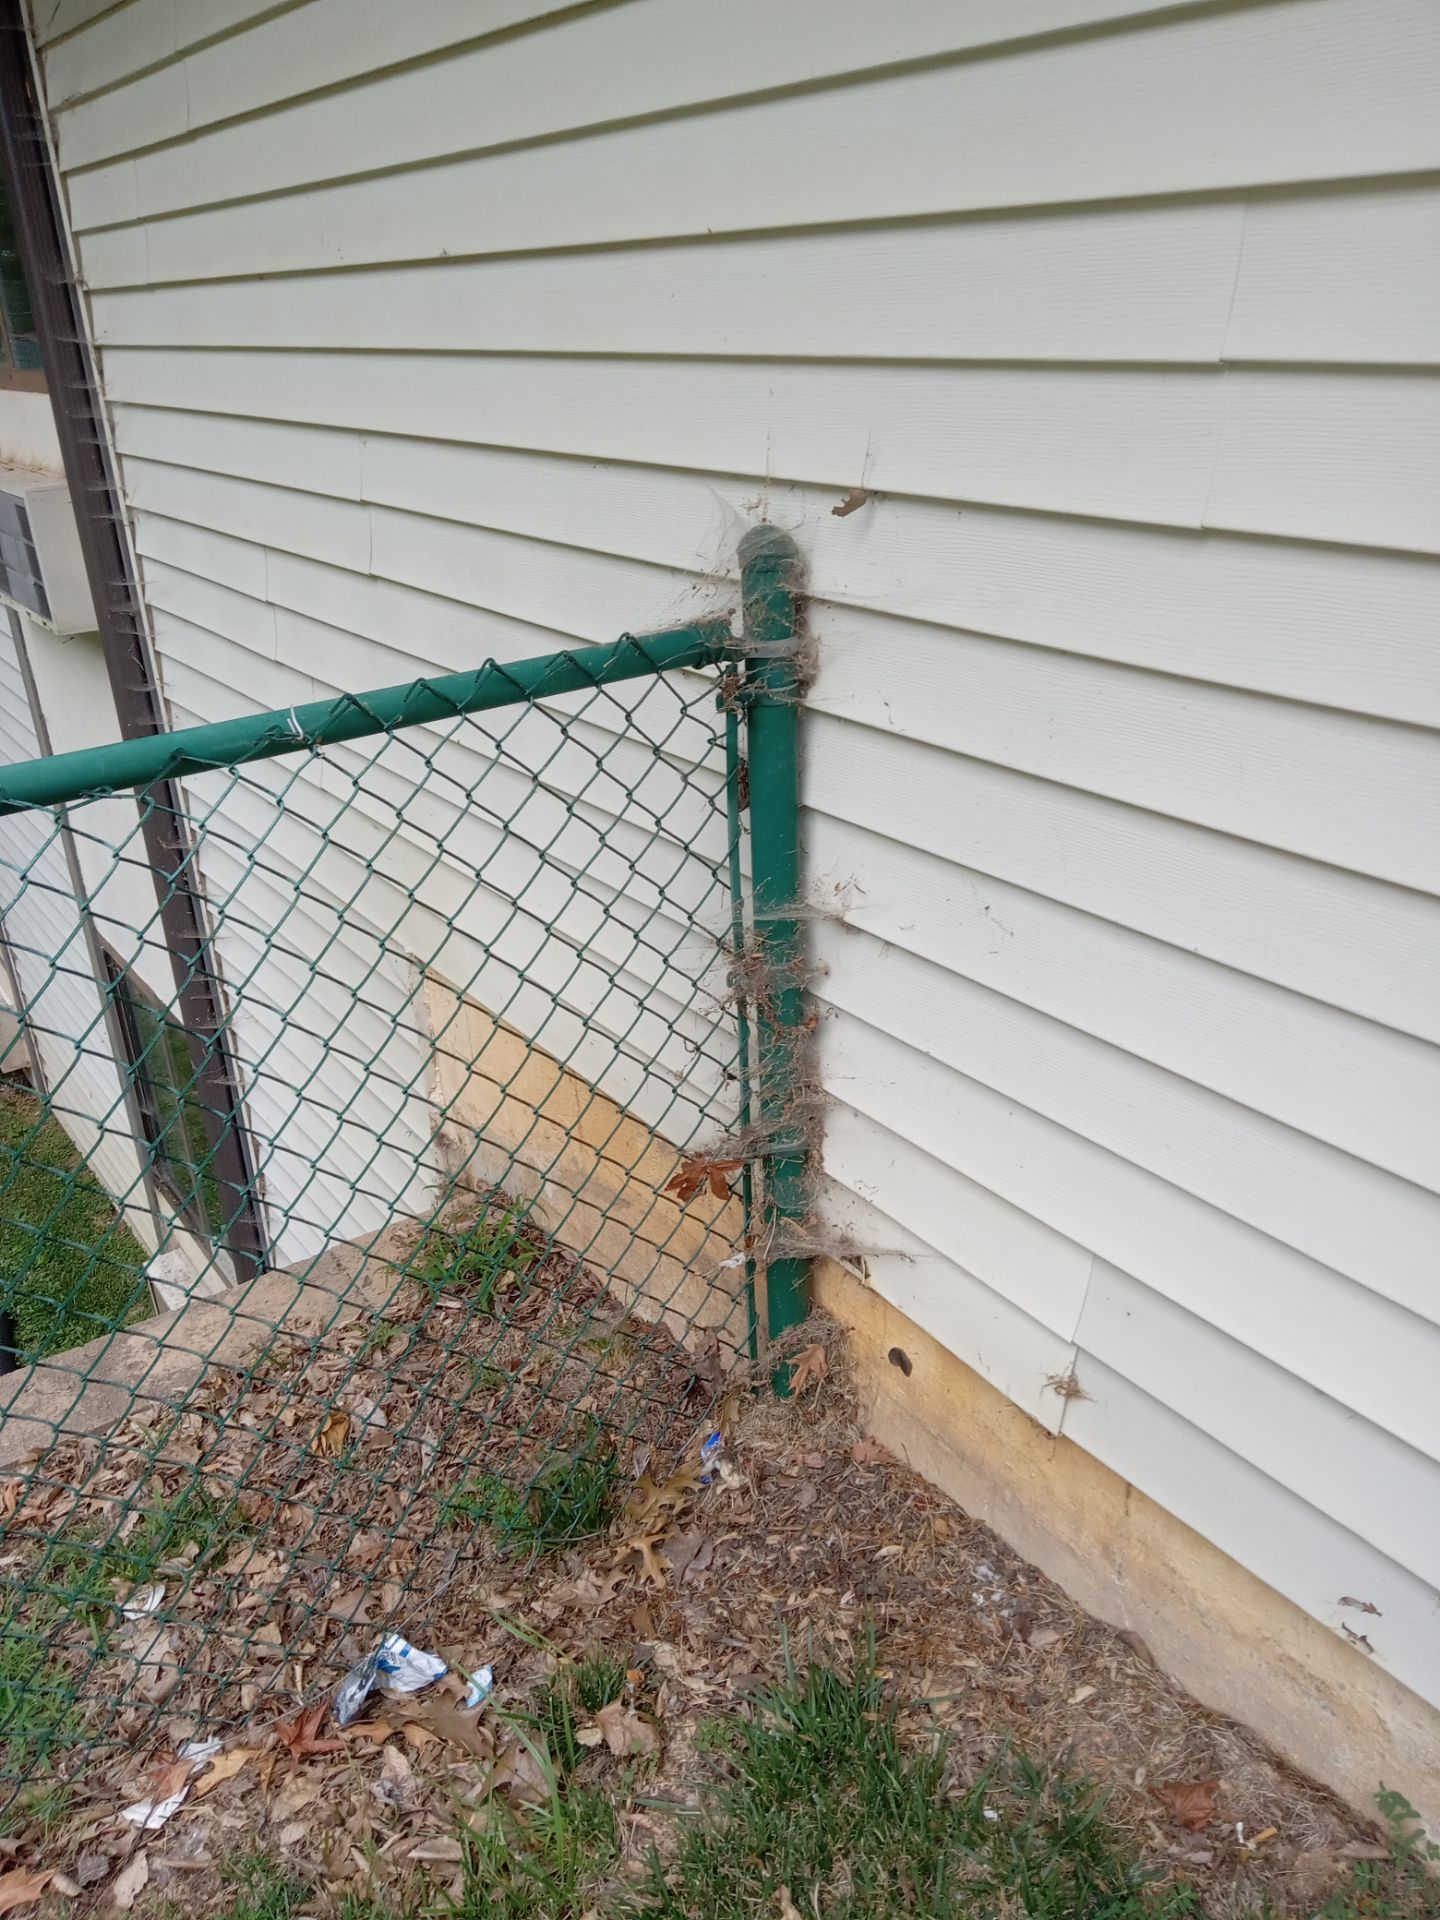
139	706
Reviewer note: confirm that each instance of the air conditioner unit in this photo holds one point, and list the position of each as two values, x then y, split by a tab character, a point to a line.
41	568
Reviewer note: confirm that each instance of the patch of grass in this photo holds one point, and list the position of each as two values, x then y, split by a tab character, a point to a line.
553	1867
571	1499
37	1721
81	1570
479	1260
262	1888
825	1799
593	1682
70	1268
76	1582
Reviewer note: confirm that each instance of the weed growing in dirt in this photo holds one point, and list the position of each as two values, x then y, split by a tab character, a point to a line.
1403	1886
378	1338
82	1570
478	1261
571	1499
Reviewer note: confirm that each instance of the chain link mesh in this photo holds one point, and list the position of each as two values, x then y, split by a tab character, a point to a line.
478	1024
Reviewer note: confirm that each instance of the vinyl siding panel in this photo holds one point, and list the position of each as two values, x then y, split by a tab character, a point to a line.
1122	785
1334	626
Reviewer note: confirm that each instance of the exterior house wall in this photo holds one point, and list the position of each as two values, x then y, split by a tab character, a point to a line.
423	344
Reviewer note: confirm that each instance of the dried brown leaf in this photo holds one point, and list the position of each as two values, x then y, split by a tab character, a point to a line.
18	1888
626	1731
432	1712
224	1767
1360	1606
808	1368
870	1453
697	1172
130	1882
1192	1802
852	503
300	1736
334	1431
652	1567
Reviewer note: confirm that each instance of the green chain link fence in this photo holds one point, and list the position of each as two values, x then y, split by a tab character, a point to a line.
439	1237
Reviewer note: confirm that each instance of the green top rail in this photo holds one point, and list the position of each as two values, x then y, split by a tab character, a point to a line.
92	772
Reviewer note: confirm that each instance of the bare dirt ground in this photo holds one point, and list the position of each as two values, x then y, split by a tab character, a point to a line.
338	1487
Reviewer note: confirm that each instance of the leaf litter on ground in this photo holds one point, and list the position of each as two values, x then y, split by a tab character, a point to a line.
813	1535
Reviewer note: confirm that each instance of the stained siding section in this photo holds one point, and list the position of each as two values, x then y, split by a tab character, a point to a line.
1121	768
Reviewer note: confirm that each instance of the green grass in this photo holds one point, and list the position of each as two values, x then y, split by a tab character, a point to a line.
76	1582
822	1796
819	1793
591	1683
573	1498
261	1888
554	1866
69	1267
480	1260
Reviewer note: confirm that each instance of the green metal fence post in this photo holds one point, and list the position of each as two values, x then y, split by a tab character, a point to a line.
769	581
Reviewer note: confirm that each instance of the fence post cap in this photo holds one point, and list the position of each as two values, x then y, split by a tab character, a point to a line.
764	542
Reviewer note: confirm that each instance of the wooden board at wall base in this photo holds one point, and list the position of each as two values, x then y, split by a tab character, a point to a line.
1233	1642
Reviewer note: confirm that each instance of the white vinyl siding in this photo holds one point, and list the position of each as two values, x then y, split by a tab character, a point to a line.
1122	777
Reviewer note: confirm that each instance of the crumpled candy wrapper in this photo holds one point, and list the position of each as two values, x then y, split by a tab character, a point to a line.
394	1667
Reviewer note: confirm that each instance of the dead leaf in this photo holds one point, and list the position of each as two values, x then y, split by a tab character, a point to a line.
418	1736
333	1432
1360	1606
441	1850
130	1882
18	1888
519	1774
808	1368
626	1731
166	1787
1080	1694
870	1453
224	1767
91	1868
1045	1637
650	1500
157	1671
300	1736
696	1172
852	503
1357	1639
682	1551
1191	1801
63	1884
652	1567
440	1717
